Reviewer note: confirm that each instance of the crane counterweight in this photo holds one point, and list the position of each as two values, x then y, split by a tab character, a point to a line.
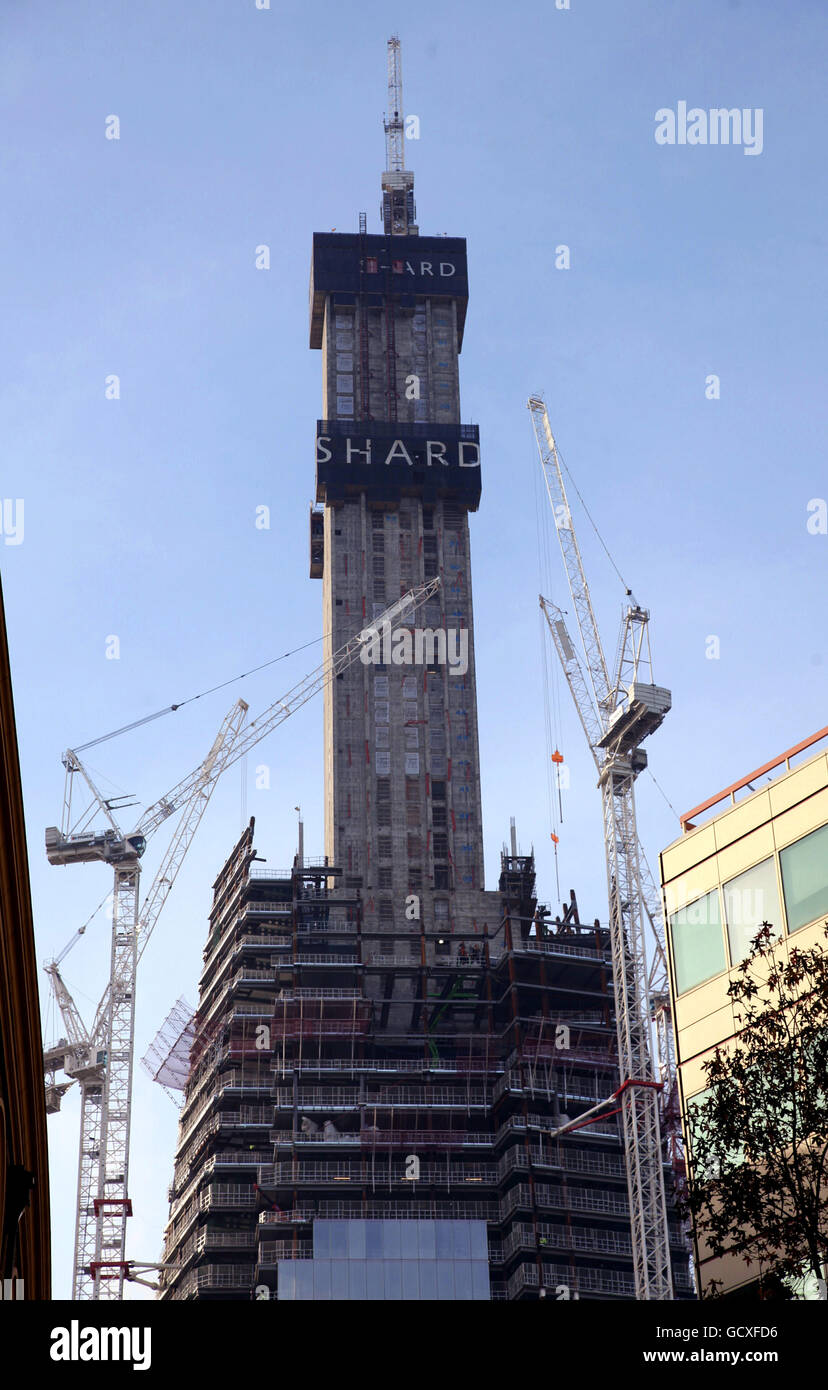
86	849
640	712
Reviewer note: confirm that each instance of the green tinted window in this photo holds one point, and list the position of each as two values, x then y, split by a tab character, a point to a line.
698	944
696	1127
751	899
805	879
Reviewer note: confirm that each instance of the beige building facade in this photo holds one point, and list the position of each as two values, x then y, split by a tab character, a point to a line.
757	851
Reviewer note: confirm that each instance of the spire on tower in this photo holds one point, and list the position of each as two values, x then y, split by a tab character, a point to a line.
399	215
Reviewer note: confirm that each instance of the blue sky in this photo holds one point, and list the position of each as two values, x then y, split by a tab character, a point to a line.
240	127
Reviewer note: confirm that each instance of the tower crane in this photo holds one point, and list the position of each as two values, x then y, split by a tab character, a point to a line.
100	1058
399	215
618	709
394	120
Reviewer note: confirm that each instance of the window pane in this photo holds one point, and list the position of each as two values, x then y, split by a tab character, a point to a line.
287	1279
339	1239
303	1274
428	1279
463	1286
807	1287
339	1279
698	943
445	1279
391	1240
373	1238
461	1239
479	1241
356	1240
751	899
805	879
695	1127
427	1240
322	1238
393	1279
480	1278
408	1233
376	1279
410	1279
322	1278
445	1243
357	1280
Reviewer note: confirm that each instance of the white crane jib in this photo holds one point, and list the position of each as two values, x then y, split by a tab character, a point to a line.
102	1058
621	710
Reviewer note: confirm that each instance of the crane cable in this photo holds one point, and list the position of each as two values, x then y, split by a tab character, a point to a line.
73	940
170	709
627	591
551	694
550	759
664	794
604	545
51	1015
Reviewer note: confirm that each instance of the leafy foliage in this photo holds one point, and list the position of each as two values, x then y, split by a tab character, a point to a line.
758	1184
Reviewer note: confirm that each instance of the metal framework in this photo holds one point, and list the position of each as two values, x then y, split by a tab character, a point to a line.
399	215
167	1059
101	1059
394	125
617	713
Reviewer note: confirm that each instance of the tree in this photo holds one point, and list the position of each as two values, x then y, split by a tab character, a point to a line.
758	1134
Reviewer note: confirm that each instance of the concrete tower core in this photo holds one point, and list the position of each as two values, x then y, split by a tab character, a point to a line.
397	474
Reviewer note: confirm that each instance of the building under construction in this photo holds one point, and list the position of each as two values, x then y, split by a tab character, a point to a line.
389	1060
344	1074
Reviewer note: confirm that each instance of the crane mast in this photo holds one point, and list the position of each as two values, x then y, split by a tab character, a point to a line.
623	713
399	215
394	131
101	1060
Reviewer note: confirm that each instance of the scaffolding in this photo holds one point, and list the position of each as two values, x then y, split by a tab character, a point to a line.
321	1070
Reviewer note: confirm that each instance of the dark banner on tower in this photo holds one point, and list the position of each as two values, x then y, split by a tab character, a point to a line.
387	461
419	266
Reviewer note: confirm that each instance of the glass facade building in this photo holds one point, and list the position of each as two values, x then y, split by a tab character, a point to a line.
391	1260
788	889
750	854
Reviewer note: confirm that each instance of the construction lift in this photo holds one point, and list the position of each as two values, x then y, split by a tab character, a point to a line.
100	1058
618	709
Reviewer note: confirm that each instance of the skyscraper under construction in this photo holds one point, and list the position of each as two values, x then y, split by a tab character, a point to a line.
386	1052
